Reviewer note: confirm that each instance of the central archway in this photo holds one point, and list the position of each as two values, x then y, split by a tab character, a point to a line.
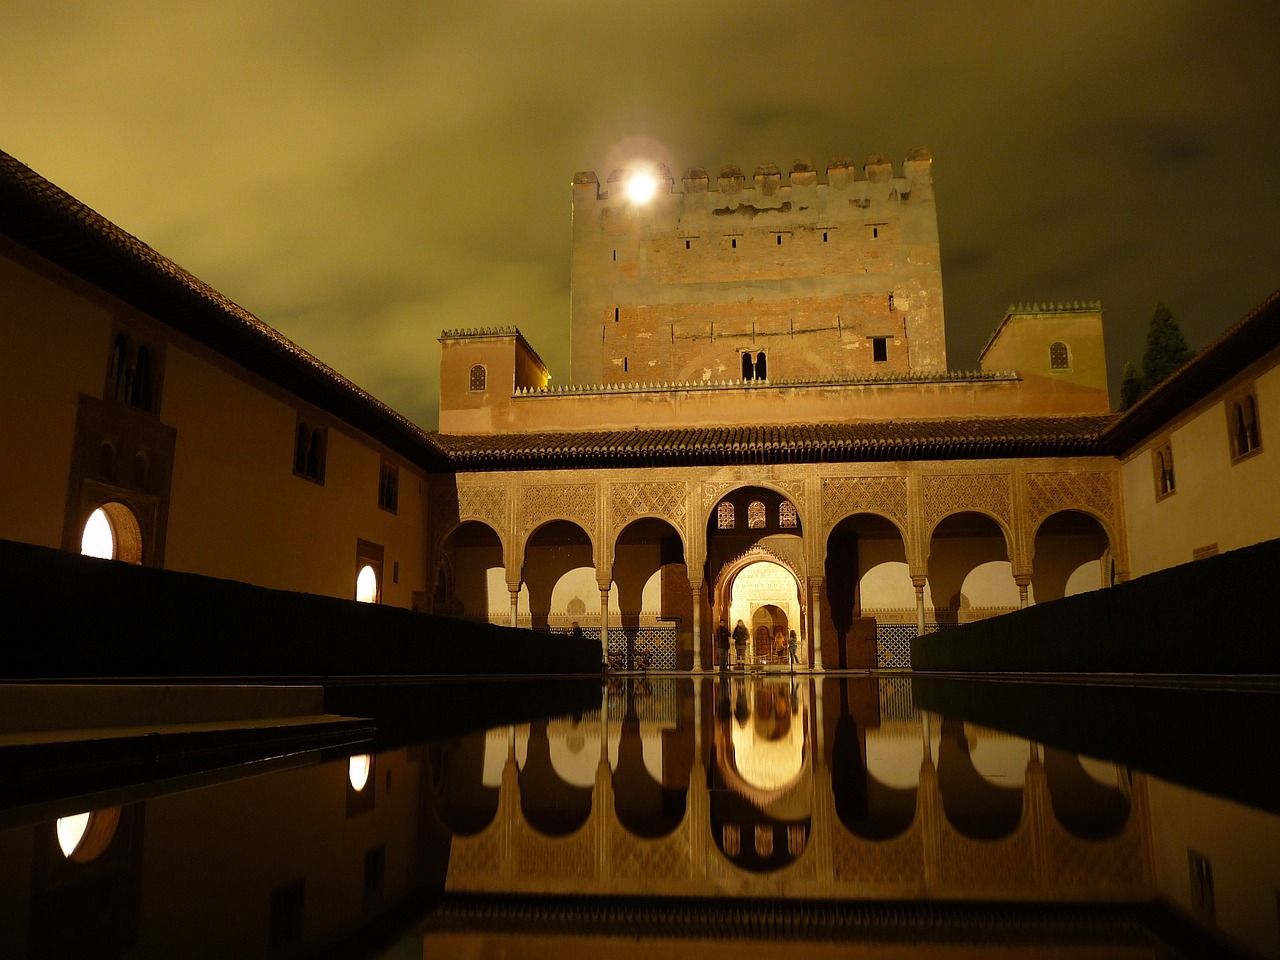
762	591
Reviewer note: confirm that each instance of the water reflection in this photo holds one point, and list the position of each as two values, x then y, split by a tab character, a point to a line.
801	802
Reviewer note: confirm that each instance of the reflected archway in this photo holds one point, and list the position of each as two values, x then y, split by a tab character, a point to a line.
986	803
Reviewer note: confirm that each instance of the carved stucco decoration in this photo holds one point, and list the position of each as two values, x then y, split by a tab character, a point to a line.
631	858
559	501
537	855
478	856
488	504
627	501
878	864
1093	492
973	863
989	493
843	496
793	490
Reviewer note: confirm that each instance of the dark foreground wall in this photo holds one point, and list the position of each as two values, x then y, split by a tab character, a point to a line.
1212	616
67	616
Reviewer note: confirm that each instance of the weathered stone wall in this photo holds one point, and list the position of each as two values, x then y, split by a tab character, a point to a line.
807	273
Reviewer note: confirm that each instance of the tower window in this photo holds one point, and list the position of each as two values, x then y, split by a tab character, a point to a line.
748	368
724	516
615	256
686	244
478	378
875	232
891	303
824	236
879	349
779	239
1059	356
625	365
733	242
762	369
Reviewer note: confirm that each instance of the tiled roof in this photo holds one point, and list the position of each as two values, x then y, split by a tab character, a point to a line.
951	439
50	222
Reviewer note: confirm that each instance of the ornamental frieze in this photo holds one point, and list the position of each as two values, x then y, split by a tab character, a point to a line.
954	493
1047	493
488	504
844	496
559	501
627	501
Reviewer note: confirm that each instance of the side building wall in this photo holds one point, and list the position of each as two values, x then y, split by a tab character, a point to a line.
1214	496
196	459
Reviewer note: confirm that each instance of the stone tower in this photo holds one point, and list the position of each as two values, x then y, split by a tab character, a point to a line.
758	278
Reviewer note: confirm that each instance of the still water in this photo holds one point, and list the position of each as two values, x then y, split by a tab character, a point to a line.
663	817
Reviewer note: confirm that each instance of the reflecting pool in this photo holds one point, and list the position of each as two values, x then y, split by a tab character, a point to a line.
666	816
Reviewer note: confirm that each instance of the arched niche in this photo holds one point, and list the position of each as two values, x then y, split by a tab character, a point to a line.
557	549
970	574
471	576
867	577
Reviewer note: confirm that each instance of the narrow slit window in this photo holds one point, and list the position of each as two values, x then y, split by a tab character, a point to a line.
875	232
824	236
779	239
686	244
733	242
762	367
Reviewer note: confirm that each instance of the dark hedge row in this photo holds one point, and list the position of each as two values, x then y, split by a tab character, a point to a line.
67	616
1213	616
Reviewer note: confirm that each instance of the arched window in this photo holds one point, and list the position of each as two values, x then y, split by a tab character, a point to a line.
1162	461
112	533
1059	356
478	379
762	369
755	515
107	463
140	391
748	368
724	515
118	375
367	584
1246	437
787	518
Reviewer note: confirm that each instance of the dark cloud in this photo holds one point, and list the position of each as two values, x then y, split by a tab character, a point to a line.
363	177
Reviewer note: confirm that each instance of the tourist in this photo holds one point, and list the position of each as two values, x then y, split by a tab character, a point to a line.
576	631
722	644
793	645
740	637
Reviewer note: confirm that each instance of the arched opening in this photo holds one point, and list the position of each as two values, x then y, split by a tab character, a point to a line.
471	582
766	521
466	774
550	804
140	390
970	576
762	366
763	596
558	568
111	532
748	368
654	622
870	599
118	375
1090	798
981	777
1071	556
761	774
367	587
651	773
84	837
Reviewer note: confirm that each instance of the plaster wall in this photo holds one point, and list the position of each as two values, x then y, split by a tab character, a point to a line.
1215	502
1022	342
1243	847
39	386
233	484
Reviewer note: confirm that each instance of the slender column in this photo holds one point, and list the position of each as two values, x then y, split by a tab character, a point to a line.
918	583
604	617
695	588
1023	583
815	614
515	603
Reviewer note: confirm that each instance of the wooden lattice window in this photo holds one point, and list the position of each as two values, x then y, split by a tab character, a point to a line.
1059	356
478	379
724	516
755	516
787	517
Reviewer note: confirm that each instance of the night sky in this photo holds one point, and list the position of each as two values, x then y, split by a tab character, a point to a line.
362	176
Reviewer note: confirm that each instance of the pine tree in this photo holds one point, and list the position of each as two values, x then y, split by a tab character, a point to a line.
1130	386
1167	348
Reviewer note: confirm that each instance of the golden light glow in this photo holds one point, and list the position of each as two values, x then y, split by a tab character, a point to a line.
641	187
71	829
367	585
358	771
98	540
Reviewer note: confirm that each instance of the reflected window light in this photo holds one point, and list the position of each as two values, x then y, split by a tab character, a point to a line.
367	584
71	829
98	539
358	771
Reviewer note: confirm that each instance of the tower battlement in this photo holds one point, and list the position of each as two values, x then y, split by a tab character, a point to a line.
916	177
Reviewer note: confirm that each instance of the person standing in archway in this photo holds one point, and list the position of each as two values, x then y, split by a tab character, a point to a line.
722	644
793	645
740	636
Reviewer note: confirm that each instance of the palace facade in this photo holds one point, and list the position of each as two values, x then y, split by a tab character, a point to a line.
759	426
